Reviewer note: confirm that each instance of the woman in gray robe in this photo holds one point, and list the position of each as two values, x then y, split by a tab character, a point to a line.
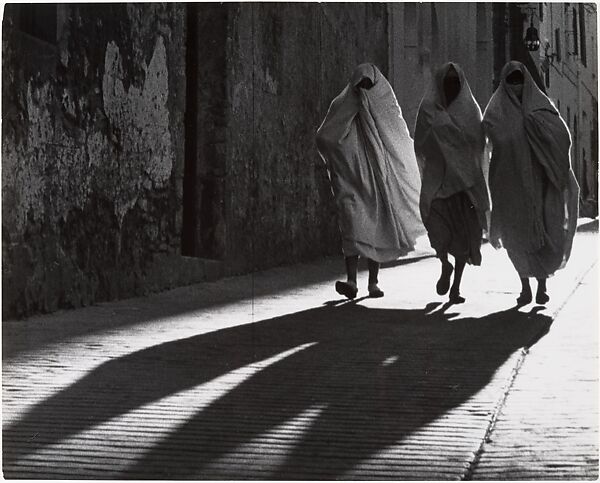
534	191
368	151
449	144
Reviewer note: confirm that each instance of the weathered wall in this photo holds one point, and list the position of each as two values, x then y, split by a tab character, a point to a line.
286	62
152	130
425	35
570	71
92	154
204	222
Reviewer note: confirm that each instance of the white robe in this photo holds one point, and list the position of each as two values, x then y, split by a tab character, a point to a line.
450	144
534	191
374	176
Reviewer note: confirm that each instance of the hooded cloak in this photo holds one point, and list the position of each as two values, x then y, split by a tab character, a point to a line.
365	143
450	145
534	191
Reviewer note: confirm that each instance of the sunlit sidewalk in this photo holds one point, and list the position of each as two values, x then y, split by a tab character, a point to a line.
273	376
547	428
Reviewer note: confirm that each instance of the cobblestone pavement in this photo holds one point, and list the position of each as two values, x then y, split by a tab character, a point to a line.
272	376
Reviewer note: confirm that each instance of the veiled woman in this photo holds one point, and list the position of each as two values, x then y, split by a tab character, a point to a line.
374	176
449	144
534	191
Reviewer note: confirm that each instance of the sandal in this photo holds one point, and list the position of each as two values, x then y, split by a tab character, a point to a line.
375	292
455	298
541	298
346	289
525	298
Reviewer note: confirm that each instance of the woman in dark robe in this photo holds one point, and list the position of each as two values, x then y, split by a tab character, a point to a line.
368	151
449	144
534	191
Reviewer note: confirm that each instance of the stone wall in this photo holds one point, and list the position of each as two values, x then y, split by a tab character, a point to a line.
286	62
138	133
92	153
426	35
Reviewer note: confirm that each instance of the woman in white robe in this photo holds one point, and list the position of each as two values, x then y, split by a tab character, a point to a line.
365	143
534	191
449	144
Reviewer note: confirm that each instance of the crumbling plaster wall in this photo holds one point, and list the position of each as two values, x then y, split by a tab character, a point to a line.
93	143
286	63
92	154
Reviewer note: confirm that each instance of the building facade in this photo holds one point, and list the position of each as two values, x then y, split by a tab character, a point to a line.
424	36
92	152
567	61
146	146
565	68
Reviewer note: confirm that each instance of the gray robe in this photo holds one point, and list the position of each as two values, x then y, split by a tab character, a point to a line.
534	191
374	176
449	145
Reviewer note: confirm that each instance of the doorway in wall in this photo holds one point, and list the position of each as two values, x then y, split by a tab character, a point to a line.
203	229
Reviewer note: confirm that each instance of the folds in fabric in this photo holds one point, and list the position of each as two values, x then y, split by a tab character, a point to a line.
374	176
450	144
534	192
454	227
549	139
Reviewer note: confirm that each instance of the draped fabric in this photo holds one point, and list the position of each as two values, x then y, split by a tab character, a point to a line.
369	155
534	191
450	145
453	227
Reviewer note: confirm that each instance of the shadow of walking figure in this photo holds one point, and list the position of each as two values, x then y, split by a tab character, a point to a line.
371	377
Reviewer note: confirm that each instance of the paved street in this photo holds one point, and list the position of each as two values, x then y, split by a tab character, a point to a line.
274	376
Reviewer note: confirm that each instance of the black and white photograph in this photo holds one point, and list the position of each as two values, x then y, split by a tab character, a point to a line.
300	241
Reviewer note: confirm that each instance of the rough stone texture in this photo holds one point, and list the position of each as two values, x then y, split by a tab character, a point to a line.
425	35
98	138
92	153
286	62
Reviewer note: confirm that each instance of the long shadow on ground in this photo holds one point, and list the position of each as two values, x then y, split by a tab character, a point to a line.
32	333
377	375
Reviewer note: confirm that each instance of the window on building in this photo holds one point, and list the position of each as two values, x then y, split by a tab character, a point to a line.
583	42
557	43
568	117
39	20
575	32
541	11
547	77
